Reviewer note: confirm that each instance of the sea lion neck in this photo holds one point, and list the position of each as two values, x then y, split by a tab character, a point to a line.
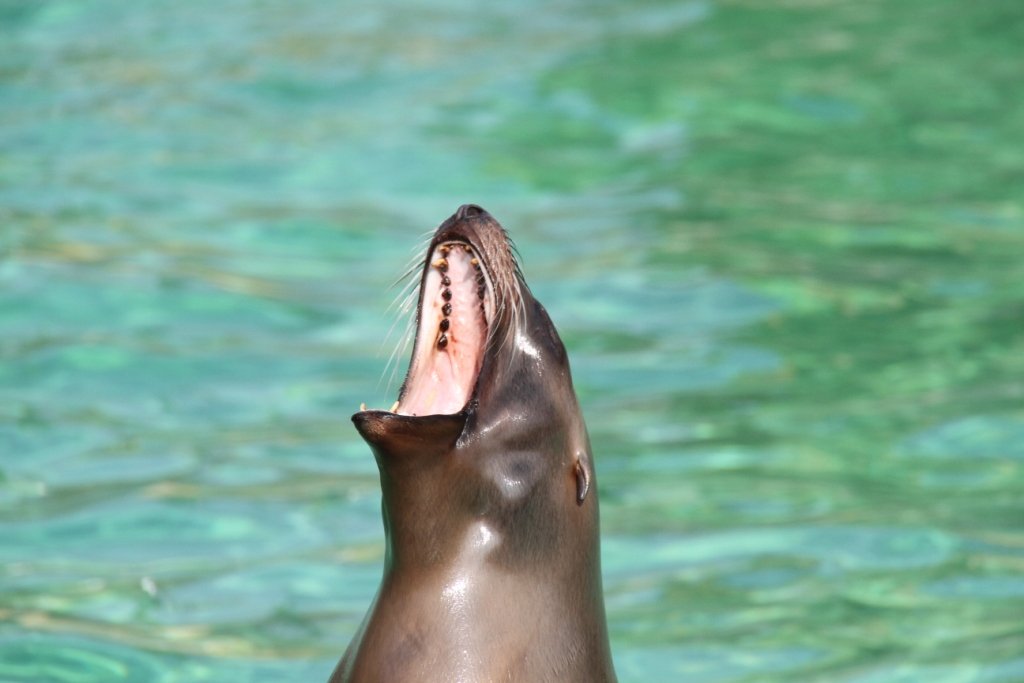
414	458
411	453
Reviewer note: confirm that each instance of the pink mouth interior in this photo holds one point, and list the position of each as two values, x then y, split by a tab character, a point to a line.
446	362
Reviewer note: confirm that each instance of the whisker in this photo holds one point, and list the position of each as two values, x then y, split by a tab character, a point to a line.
403	293
398	352
402	305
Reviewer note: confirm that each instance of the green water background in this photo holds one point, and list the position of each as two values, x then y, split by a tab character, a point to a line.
783	242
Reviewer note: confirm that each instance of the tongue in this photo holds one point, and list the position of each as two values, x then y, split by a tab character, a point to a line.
450	339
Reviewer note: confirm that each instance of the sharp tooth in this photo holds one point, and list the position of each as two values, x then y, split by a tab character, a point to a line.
394	407
362	407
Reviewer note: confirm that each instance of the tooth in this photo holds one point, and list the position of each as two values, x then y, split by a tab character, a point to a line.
362	407
444	324
447	309
469	249
394	407
441	264
474	262
442	341
446	280
444	249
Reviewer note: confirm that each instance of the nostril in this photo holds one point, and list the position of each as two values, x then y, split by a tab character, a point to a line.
469	211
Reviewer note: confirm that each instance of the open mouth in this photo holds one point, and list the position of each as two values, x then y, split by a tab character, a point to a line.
455	315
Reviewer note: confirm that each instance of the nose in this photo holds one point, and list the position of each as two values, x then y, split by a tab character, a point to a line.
469	211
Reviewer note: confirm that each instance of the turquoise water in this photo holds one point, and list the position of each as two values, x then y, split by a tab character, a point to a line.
783	242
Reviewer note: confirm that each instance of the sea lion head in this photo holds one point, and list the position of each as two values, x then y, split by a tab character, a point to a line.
487	433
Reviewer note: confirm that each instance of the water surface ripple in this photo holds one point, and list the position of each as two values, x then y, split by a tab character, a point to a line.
783	241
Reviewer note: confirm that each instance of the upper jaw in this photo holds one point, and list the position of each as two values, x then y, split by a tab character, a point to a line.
455	317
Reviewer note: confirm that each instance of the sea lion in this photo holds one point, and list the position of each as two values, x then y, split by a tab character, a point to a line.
492	565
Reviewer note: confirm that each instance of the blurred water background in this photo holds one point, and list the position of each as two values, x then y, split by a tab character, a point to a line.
783	242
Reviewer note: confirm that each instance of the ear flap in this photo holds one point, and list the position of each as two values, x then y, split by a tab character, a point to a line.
582	470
